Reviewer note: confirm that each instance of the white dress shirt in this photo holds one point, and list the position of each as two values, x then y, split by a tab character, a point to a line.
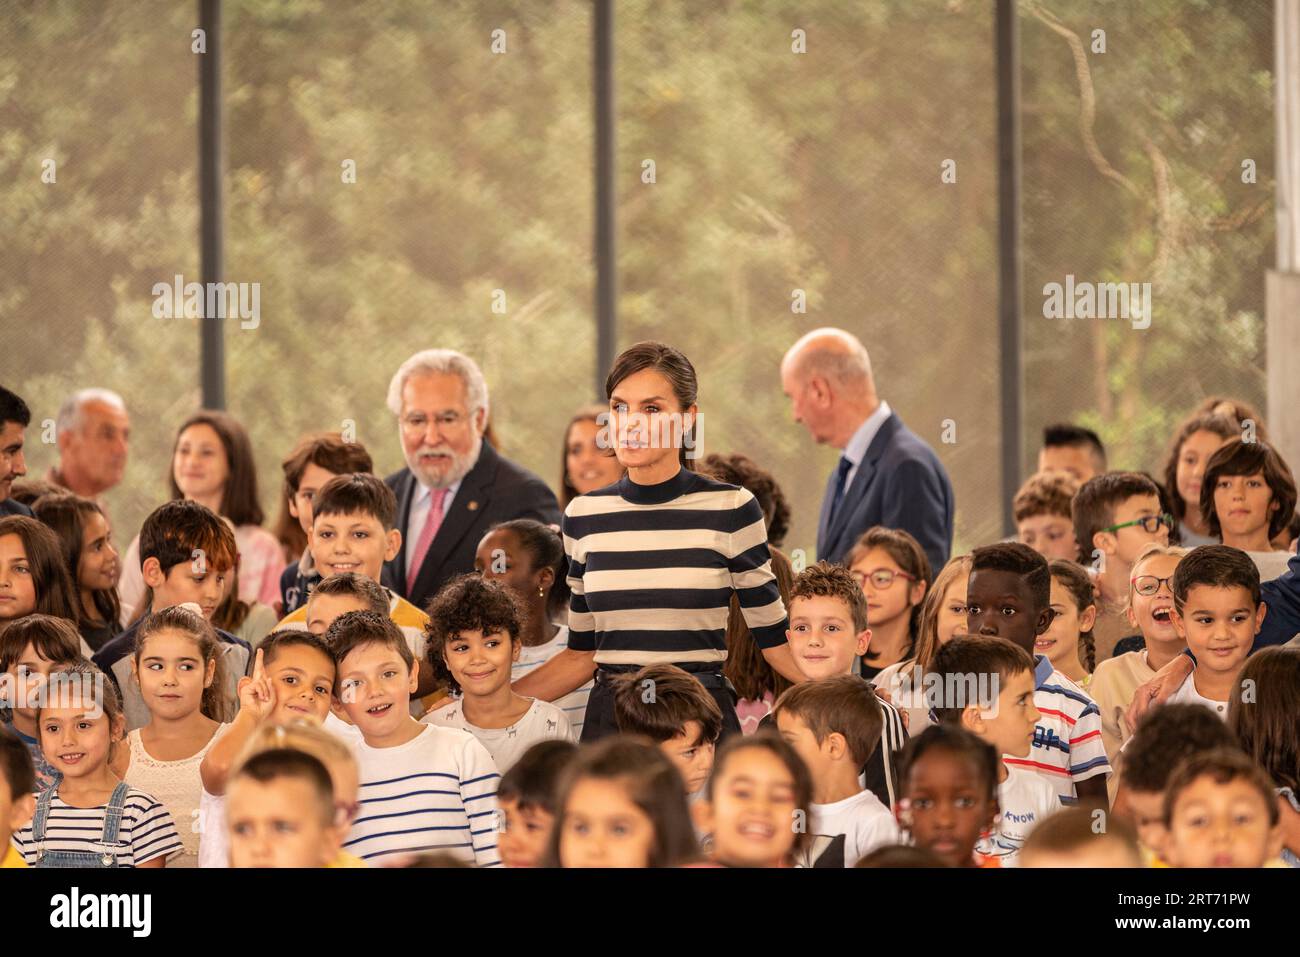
856	450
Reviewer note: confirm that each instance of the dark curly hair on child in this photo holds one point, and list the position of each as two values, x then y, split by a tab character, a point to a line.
467	603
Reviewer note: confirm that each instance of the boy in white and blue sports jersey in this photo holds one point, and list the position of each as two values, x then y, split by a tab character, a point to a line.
528	558
986	685
423	788
1008	595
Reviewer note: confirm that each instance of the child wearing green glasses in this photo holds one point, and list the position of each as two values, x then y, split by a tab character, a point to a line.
1115	516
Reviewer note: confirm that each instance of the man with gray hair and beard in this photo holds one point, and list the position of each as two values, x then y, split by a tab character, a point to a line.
455	485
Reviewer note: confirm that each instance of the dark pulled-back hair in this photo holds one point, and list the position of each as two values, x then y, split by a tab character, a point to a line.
673	366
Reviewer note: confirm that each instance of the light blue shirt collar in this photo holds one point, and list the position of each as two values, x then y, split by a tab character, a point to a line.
861	441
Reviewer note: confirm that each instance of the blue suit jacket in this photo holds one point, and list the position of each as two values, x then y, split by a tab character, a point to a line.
13	507
900	483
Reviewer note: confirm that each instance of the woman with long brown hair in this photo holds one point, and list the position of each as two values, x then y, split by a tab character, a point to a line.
212	464
91	559
1209	426
33	578
589	461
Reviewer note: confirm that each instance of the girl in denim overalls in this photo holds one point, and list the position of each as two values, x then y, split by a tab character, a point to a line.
81	725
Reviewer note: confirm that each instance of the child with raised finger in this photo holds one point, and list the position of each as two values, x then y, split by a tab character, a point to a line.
293	678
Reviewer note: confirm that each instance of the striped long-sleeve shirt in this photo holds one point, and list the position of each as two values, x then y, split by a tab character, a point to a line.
437	792
652	569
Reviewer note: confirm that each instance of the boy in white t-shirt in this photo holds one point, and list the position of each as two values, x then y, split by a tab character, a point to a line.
292	680
439	782
1217	609
986	685
471	641
834	725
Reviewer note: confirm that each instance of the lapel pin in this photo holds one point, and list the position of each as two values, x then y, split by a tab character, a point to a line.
472	506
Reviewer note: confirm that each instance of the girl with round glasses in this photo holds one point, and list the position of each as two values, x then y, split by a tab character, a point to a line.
1149	611
890	567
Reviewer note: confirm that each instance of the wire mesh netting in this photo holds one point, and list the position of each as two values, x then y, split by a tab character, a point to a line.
405	175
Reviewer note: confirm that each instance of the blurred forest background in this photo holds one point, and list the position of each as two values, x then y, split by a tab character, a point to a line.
775	171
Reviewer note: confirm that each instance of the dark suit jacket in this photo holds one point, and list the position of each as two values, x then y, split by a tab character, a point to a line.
900	483
13	507
495	490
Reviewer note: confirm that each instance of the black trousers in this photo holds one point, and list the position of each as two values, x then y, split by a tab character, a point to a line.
599	721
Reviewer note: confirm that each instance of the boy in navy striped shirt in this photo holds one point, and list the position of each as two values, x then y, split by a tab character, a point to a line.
423	788
1008	595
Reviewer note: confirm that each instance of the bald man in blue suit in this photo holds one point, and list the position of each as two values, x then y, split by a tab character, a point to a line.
887	475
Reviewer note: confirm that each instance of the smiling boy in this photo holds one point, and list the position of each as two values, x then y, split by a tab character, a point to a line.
292	680
1008	595
352	533
828	635
440	782
473	640
1217	609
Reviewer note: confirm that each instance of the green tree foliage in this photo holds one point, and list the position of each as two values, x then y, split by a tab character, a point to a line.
774	171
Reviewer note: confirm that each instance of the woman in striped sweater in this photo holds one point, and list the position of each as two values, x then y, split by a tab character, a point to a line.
655	558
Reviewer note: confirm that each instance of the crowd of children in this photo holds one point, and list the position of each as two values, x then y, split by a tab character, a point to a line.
1129	659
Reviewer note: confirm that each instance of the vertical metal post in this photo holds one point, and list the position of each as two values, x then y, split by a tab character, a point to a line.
1009	259
603	84
212	357
1282	284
